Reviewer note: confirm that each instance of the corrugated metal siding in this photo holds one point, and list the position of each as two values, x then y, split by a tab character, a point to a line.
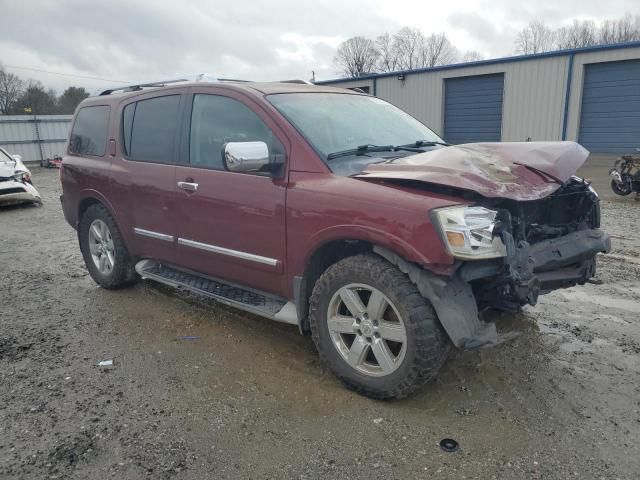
533	96
18	135
473	109
579	63
610	116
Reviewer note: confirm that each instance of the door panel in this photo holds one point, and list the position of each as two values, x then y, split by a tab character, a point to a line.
232	225
149	192
144	174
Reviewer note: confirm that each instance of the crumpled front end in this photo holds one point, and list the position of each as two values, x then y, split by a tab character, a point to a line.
14	192
550	243
505	260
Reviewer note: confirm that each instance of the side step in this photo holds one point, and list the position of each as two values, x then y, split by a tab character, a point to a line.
244	298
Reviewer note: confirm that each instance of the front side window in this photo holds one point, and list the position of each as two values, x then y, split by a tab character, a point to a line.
89	133
149	129
217	120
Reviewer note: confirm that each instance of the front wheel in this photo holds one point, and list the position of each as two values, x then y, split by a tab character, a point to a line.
622	190
373	328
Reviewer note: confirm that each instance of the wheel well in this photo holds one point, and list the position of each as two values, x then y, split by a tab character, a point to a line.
323	258
84	205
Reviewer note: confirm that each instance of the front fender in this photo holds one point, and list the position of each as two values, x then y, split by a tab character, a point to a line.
434	258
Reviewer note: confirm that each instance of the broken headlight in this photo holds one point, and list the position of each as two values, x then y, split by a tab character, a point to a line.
468	232
22	177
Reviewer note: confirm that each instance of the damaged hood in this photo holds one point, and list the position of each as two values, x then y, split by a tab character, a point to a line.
489	169
7	169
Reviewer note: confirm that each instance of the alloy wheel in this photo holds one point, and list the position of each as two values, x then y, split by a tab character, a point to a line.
367	329
101	247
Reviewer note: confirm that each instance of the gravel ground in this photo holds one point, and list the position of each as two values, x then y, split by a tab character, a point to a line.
248	399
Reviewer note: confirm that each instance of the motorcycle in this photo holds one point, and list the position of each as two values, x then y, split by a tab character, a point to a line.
625	175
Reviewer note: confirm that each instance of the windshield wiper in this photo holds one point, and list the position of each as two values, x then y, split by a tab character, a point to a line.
368	148
426	143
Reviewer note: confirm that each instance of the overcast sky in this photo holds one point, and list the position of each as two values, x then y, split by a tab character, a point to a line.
135	40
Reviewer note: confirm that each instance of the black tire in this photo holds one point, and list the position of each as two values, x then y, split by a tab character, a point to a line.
623	192
123	271
427	344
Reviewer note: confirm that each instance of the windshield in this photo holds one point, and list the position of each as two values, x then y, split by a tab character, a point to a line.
335	122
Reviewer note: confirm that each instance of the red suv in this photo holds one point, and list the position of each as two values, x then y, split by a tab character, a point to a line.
330	210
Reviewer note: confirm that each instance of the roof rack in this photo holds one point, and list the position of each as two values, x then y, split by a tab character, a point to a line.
200	77
140	86
296	80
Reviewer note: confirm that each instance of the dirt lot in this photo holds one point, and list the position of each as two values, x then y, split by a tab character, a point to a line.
248	399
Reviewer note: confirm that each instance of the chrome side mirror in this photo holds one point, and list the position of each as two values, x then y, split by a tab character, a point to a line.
246	156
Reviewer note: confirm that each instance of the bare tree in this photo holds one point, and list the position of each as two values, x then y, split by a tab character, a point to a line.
437	50
627	29
407	45
388	58
607	32
534	38
472	56
11	89
356	56
578	34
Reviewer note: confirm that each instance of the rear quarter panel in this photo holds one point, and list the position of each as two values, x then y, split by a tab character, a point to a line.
81	178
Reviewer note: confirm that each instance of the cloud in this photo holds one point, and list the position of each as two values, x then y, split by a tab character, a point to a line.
136	40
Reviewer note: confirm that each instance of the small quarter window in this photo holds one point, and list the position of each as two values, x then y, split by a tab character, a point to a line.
89	133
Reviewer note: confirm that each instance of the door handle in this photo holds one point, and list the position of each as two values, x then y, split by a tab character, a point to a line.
188	186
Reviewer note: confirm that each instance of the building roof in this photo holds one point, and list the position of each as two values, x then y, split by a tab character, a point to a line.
493	61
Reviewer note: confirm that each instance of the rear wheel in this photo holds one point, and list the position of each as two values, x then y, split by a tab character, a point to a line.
103	249
373	328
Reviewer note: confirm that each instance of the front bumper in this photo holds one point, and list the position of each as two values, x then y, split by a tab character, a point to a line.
530	270
506	283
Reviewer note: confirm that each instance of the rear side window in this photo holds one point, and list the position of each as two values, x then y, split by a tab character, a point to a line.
149	129
89	134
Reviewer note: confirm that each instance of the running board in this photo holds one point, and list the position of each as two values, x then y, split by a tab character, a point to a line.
244	298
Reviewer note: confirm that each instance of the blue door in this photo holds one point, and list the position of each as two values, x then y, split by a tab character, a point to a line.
610	116
473	108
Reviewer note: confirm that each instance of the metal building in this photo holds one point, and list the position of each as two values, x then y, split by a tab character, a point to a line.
590	95
34	137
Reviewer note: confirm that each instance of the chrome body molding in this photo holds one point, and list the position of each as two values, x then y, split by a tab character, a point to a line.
156	235
226	251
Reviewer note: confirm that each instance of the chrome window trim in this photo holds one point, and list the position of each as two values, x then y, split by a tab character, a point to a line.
156	235
226	251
